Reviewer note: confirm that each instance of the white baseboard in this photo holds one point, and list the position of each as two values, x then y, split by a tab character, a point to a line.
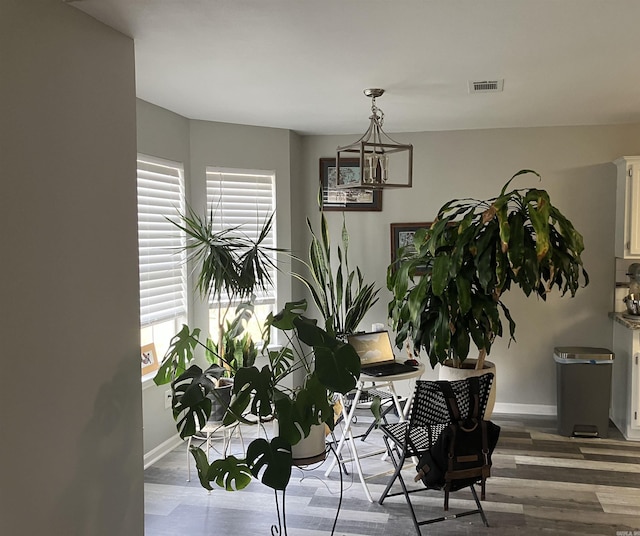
161	450
525	409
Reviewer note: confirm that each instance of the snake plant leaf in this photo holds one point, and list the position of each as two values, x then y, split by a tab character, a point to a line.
229	473
270	462
340	285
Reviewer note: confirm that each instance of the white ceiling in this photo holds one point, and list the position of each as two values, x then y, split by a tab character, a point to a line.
303	64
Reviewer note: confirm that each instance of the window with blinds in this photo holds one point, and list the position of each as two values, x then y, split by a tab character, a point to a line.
244	199
163	276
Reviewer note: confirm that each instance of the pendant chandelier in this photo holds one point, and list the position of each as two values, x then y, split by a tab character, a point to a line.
384	163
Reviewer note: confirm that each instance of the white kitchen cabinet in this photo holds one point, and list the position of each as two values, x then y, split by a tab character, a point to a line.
625	385
627	243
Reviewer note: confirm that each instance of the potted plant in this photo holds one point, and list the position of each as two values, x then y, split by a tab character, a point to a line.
343	299
328	365
230	268
473	253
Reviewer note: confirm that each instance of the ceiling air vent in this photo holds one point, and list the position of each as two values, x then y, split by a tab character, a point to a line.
485	86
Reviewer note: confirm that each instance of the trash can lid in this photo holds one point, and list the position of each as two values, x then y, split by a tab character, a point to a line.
583	352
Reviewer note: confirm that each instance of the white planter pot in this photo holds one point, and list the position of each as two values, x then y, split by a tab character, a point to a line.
469	369
311	449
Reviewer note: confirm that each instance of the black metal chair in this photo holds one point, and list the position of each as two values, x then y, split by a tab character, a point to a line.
429	417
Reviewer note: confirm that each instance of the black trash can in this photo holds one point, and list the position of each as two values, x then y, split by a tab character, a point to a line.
584	390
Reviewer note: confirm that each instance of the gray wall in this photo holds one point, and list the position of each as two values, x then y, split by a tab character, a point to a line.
162	134
71	403
576	171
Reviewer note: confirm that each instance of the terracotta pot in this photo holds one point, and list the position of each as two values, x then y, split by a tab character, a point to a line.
450	373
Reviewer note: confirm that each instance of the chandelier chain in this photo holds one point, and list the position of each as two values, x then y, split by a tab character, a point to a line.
378	114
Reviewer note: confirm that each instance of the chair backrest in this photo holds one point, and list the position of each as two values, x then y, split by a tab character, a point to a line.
429	406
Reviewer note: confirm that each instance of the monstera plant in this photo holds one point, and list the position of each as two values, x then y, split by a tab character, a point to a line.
328	366
448	289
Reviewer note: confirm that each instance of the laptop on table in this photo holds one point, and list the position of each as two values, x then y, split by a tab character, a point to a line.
376	354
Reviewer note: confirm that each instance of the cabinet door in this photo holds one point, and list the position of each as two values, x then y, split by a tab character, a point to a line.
633	210
635	393
627	230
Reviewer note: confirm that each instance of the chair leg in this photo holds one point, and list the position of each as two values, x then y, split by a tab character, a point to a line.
398	464
479	505
398	467
189	459
386	410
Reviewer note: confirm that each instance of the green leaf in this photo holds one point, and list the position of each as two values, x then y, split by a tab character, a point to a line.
376	409
440	275
521	172
337	368
178	356
463	285
191	407
258	383
270	461
202	466
229	473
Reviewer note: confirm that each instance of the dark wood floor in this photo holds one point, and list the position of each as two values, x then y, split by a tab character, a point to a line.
541	483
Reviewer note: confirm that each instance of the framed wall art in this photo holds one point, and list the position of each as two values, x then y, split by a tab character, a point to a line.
344	198
402	237
149	359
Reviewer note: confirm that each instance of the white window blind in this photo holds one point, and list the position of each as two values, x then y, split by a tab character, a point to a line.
163	274
244	199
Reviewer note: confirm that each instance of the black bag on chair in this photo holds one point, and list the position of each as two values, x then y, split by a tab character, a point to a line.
461	456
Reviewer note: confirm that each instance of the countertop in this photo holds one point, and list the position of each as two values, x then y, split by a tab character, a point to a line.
625	320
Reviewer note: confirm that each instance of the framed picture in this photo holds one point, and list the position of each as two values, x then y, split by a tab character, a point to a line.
402	237
148	359
344	198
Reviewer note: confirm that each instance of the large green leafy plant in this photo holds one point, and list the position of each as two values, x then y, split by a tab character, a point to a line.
473	253
342	297
328	366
